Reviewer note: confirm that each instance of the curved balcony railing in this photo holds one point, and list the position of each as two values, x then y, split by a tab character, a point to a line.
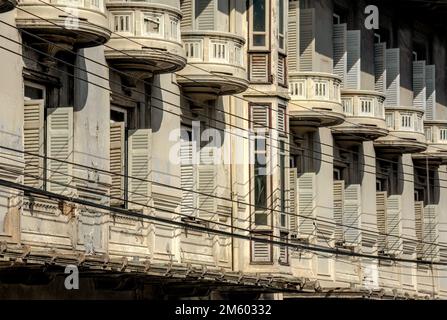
315	99
216	63
146	37
436	138
7	5
406	130
81	23
365	115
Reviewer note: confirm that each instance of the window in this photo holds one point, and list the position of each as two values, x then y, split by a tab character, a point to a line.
34	91
219	51
153	25
282	185
193	49
281	25
428	134
347	106
122	22
320	89
443	135
260	174
283	249
298	89
259	23
175	29
407	121
389	119
366	106
238	55
281	119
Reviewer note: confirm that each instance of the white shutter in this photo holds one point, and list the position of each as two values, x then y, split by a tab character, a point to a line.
206	184
340	51
259	67
261	252
339	187
60	148
430	232
281	119
419	91
33	142
307	39
187	173
186	8
117	162
259	117
351	214
394	225
292	37
381	198
293	176
281	70
306	203
430	81
353	58
392	77
205	14
419	224
379	67
139	168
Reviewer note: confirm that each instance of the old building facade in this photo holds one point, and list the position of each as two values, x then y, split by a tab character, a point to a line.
203	148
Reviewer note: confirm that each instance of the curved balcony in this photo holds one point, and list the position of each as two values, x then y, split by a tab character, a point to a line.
365	116
7	5
146	38
315	100
406	131
215	65
74	23
436	138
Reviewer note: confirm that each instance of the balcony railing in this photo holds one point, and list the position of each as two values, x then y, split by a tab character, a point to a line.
436	138
404	120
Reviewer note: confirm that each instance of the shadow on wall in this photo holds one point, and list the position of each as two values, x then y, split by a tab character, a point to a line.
82	82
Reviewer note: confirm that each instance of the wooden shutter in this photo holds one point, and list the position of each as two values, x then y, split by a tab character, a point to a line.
260	117
380	67
205	14
281	119
394	225
33	135
292	37
259	67
419	91
392	77
430	81
292	199
187	174
261	252
419	223
281	70
60	149
430	232
117	162
340	51
206	184
139	168
307	39
381	197
186	8
339	187
351	214
353	58
306	203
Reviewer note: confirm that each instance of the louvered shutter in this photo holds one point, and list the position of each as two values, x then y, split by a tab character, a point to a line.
33	142
430	82
60	149
281	119
117	163
430	233
259	67
307	39
205	14
419	223
292	37
379	67
281	70
340	51
292	198
259	117
419	91
353	58
187	173
339	187
394	225
206	184
186	8
261	252
351	214
381	198
306	204
392	77
139	168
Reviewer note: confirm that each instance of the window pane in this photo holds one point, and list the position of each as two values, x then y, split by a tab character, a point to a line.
258	15
259	40
281	16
